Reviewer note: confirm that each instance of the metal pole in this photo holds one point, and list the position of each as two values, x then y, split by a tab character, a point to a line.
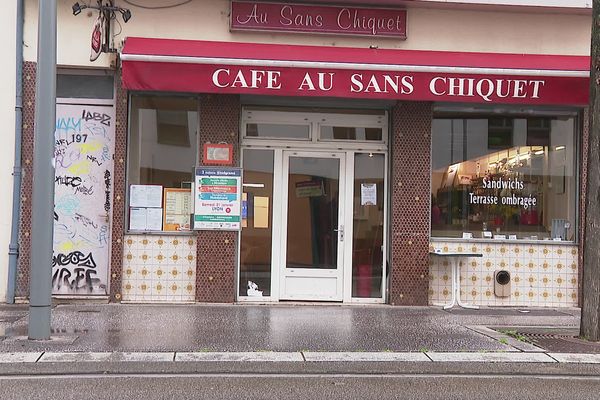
42	215
13	246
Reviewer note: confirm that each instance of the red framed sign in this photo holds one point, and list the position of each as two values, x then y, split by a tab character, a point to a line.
311	18
218	154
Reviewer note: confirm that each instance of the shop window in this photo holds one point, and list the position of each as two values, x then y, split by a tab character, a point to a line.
500	133
504	178
173	128
257	223
162	151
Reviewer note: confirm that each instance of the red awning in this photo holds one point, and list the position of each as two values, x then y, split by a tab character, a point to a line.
290	70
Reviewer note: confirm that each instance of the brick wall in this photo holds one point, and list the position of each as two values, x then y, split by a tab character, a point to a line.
411	203
583	166
119	190
217	250
29	74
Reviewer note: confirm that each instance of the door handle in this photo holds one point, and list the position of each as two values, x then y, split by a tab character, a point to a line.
340	232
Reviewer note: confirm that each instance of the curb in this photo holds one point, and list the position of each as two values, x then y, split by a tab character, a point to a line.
299	357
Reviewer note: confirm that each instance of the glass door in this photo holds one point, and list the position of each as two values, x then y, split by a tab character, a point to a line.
313	228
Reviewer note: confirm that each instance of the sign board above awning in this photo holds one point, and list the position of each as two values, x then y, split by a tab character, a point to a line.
318	19
285	70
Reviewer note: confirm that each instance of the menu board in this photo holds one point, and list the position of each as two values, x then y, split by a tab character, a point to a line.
145	196
137	219
177	210
217	198
154	219
145	219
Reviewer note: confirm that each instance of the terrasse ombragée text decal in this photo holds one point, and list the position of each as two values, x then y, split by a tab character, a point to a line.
486	89
507	198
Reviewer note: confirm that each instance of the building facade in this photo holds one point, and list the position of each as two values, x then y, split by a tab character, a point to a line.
369	136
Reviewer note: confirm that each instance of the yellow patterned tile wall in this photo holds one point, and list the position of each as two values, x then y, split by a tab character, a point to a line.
159	269
542	275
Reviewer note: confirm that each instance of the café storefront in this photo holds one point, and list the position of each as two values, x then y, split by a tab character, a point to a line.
357	162
363	139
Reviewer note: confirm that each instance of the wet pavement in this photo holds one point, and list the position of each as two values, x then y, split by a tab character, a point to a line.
282	327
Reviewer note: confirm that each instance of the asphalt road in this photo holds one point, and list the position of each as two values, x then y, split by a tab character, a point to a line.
339	382
300	387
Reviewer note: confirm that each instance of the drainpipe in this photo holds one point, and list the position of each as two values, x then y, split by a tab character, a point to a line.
13	247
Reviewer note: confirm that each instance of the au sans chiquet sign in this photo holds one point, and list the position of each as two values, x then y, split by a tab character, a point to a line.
318	19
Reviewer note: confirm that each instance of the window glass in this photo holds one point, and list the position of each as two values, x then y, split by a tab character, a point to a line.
504	177
367	240
257	223
350	133
313	208
162	154
279	131
84	86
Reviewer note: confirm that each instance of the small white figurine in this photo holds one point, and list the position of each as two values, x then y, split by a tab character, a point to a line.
253	290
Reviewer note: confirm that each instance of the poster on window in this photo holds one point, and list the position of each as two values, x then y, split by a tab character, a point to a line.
217	198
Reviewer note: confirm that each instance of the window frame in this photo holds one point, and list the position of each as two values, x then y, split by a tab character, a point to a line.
198	155
460	111
314	120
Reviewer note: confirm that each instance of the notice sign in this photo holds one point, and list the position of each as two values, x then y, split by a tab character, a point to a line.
368	194
217	198
309	189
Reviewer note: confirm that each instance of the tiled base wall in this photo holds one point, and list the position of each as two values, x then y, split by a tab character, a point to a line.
159	269
542	275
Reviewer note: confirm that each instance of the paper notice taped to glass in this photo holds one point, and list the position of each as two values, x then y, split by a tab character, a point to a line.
368	194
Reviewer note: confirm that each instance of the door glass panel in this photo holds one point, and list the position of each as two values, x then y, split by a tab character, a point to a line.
313	200
257	223
367	240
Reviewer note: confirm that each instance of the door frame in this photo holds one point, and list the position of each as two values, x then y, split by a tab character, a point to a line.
283	239
312	146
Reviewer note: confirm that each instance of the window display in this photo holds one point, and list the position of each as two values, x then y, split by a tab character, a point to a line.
507	177
162	154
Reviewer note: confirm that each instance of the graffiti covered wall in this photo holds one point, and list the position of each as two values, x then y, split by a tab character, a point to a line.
84	157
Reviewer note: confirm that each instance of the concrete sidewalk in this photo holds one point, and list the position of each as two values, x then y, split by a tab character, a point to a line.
284	332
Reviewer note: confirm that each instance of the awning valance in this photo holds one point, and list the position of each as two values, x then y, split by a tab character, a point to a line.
290	70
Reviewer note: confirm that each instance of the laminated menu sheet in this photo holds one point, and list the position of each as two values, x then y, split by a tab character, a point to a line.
145	196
